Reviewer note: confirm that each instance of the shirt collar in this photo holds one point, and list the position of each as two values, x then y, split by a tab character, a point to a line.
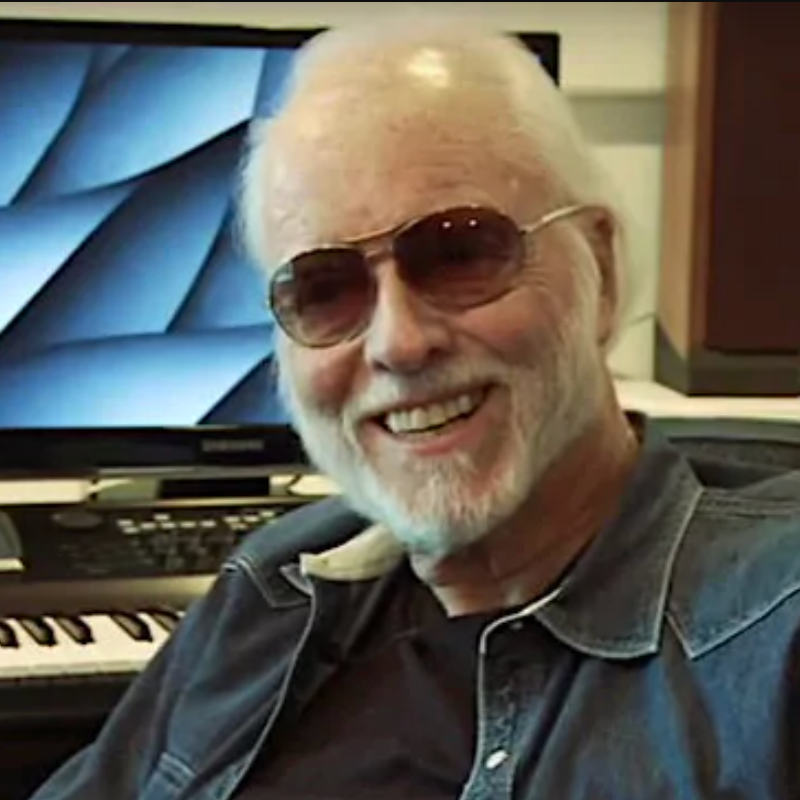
612	602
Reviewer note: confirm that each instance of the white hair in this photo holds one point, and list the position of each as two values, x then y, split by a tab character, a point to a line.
362	60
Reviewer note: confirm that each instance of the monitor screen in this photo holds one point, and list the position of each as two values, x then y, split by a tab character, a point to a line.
132	326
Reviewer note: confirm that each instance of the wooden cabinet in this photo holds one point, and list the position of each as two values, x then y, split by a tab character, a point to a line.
729	295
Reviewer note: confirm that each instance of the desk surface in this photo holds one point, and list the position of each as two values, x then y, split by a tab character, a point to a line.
659	401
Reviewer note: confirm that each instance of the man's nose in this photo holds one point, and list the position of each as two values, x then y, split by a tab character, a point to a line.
406	334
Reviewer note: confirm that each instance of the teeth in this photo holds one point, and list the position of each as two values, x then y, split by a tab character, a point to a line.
435	415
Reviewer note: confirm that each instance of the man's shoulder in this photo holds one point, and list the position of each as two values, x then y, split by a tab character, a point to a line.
738	563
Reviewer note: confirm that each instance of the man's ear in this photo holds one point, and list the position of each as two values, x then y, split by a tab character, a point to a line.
601	228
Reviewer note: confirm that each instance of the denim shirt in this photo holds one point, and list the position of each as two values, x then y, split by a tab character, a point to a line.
665	666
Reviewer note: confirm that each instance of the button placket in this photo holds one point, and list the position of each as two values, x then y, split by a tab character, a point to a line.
493	775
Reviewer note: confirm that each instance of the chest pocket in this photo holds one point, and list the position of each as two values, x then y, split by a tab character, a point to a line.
168	780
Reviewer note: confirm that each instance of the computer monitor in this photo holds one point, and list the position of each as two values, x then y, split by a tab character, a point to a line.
133	334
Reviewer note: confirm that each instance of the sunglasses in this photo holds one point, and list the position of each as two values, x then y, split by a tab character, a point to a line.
455	259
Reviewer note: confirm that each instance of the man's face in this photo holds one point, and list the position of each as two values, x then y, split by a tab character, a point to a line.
437	423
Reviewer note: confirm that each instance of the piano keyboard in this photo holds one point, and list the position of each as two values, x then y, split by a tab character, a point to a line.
98	594
55	647
88	596
69	649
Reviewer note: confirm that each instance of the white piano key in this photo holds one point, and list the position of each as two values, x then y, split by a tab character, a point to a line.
15	662
44	660
72	658
116	651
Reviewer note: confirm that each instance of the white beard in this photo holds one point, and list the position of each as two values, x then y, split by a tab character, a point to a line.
433	506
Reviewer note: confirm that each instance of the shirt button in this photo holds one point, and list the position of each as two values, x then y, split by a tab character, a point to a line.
496	759
517	626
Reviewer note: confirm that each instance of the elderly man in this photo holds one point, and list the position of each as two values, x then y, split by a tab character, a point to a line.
523	592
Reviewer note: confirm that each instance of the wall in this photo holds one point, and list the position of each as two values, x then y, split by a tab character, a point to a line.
613	71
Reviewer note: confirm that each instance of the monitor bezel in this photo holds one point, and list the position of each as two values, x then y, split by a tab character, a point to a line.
546	44
93	453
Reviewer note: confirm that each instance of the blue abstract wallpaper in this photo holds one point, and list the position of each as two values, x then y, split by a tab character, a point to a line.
125	298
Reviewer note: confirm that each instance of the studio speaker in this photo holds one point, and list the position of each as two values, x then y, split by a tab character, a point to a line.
729	295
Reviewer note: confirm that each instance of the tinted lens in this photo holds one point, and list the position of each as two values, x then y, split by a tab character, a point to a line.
461	257
323	297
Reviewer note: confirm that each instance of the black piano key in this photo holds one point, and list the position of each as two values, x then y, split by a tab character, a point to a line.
39	630
166	619
7	636
77	629
133	625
